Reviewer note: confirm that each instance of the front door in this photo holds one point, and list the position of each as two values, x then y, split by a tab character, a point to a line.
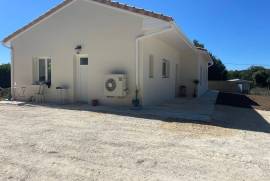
82	79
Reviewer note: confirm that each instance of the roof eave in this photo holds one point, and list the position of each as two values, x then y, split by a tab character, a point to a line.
106	2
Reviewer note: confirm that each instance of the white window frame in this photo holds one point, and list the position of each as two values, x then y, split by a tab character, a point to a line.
36	75
167	68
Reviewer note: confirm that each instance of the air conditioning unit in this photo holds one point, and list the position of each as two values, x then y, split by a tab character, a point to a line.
115	85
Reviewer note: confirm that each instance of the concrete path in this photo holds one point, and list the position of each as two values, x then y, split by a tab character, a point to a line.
199	109
190	109
185	109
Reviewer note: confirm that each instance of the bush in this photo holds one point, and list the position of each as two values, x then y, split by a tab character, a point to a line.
5	75
5	94
260	77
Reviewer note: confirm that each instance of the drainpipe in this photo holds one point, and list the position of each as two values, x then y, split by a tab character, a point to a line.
12	68
138	39
211	64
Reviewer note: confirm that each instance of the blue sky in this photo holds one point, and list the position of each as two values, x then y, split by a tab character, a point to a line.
237	31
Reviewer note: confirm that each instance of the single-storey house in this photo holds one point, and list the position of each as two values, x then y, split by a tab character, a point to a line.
106	51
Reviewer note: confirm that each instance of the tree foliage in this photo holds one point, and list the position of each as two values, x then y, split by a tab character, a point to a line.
260	78
258	74
5	75
198	44
218	70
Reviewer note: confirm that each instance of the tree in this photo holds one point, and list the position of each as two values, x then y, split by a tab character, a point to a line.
198	44
234	74
248	74
268	82
260	78
218	70
5	75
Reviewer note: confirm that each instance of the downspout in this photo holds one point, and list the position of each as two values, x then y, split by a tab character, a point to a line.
138	39
12	68
211	64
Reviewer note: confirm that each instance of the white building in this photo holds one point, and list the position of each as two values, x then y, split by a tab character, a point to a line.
79	43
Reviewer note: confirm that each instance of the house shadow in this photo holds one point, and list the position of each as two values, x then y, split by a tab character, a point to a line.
240	116
236	111
235	100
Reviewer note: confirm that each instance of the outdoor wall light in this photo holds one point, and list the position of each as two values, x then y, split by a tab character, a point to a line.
78	49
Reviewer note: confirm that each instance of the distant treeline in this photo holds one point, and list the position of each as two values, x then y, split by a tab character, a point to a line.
5	75
259	75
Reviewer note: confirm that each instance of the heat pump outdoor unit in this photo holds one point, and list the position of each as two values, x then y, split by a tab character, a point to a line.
115	85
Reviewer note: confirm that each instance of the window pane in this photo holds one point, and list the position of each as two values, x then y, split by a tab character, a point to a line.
49	70
164	68
83	61
42	76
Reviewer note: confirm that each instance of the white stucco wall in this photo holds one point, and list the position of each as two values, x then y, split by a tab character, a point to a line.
106	35
203	75
158	89
189	70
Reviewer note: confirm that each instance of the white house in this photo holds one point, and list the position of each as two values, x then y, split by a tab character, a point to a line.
82	45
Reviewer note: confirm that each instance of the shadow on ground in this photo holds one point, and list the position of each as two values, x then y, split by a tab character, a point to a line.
236	100
237	111
223	116
241	118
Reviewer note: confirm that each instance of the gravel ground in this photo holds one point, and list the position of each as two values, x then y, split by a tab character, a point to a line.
43	143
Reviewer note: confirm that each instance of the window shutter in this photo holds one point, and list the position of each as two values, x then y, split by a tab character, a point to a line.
168	69
35	70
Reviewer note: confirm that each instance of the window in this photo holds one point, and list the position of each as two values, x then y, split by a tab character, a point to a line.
201	75
151	66
84	61
49	70
42	70
165	68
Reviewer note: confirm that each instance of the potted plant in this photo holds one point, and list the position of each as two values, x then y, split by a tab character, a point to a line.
95	102
196	82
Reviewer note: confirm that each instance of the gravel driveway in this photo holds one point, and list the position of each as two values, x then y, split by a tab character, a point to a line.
45	143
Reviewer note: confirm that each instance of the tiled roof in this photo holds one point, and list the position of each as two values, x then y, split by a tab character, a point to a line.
107	2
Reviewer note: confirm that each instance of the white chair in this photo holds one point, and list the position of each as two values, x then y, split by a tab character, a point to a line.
40	97
19	92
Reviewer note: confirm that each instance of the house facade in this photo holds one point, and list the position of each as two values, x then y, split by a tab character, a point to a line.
77	44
